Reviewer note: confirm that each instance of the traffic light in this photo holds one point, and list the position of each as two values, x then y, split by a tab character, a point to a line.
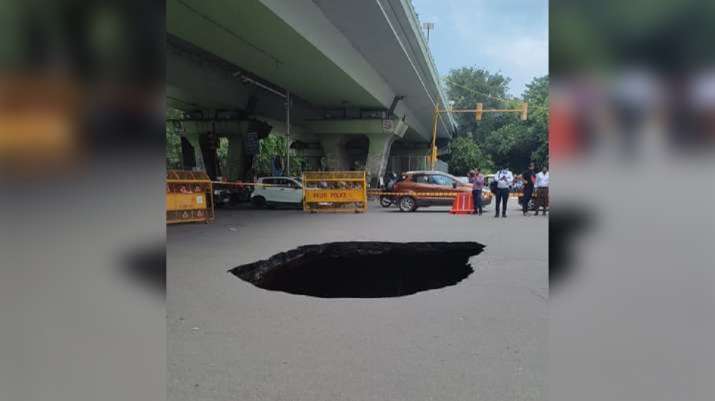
524	111
478	112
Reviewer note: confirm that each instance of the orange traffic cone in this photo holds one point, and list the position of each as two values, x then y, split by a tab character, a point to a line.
463	204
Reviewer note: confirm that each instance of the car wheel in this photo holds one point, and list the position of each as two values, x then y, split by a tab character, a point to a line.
407	204
385	201
258	202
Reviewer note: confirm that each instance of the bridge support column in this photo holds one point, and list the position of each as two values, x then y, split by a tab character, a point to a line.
378	156
193	138
236	157
336	156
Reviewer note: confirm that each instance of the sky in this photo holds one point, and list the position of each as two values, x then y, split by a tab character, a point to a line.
505	36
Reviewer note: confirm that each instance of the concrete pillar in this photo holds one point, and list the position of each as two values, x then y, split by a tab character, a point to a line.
378	154
193	138
336	156
235	157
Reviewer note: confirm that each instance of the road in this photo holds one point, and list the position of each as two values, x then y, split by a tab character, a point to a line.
482	339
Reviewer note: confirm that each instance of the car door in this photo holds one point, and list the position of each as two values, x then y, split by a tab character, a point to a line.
278	192
269	192
420	183
443	183
285	191
293	191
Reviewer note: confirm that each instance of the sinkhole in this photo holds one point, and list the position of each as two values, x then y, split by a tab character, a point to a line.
363	269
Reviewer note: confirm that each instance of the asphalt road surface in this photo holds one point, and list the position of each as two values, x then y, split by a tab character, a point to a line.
482	339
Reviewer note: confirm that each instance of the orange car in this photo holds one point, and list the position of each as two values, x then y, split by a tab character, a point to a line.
419	188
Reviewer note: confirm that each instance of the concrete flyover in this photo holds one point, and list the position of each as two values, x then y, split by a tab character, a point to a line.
361	82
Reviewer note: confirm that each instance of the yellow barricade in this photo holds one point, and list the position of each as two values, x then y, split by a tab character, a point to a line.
334	191
189	197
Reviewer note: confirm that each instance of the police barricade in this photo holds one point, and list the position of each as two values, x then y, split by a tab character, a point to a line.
188	197
334	191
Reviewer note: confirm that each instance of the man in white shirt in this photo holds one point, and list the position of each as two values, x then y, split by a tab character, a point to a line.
504	179
542	190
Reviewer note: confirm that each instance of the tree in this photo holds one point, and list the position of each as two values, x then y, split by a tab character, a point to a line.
466	155
517	143
537	94
222	155
511	146
468	86
173	139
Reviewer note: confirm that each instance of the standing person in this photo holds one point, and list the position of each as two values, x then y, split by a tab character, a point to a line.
477	185
504	179
529	178
542	189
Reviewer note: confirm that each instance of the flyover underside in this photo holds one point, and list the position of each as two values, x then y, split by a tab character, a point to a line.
231	66
218	104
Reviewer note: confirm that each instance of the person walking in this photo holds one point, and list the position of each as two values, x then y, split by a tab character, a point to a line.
542	189
504	179
529	178
477	185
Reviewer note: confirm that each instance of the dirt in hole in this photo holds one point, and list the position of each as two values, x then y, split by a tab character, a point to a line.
363	269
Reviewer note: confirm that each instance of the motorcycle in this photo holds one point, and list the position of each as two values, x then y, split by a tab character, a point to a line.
385	200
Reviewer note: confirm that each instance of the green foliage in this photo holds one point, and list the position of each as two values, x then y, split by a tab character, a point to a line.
466	155
276	145
537	94
512	146
222	155
173	140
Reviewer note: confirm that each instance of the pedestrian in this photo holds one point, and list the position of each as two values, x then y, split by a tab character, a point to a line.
477	185
504	179
542	190
528	178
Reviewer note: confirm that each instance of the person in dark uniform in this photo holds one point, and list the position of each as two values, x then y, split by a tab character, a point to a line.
529	178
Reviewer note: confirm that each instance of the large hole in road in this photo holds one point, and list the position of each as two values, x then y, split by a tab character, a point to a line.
363	269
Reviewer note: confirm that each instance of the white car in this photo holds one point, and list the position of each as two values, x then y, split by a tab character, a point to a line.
287	191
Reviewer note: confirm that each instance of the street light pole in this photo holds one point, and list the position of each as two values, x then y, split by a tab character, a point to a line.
435	117
428	26
288	133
